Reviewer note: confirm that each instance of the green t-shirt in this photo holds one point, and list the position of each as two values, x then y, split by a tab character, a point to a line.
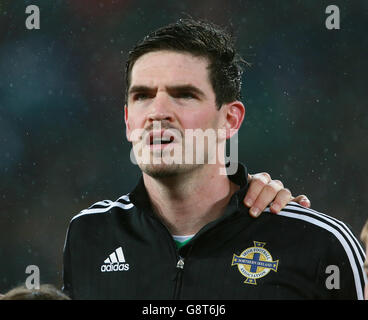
182	240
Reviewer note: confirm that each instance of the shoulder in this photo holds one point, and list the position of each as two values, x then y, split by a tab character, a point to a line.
105	206
340	242
323	222
335	234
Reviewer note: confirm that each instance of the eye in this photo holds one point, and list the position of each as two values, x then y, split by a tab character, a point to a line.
140	96
185	95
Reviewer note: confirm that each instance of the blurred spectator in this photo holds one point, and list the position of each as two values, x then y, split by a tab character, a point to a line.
364	238
45	292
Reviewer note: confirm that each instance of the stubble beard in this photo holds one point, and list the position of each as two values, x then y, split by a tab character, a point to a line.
167	170
160	171
181	164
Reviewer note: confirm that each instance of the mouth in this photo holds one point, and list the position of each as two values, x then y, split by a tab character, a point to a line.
160	139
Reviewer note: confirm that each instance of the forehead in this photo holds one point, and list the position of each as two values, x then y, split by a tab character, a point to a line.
170	67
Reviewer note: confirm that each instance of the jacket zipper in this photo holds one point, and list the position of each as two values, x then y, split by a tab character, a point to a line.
179	263
179	277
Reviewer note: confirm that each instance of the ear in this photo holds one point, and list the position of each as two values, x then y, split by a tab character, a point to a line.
127	127
233	117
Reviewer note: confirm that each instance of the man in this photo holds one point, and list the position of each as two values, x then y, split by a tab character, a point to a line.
184	232
364	238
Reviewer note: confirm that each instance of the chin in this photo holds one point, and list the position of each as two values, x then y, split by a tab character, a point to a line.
166	170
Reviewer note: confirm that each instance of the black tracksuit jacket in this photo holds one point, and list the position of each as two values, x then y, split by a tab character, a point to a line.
121	250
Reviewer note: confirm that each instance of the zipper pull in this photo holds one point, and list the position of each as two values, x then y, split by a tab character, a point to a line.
180	264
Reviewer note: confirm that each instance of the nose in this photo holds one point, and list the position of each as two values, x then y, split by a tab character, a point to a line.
160	108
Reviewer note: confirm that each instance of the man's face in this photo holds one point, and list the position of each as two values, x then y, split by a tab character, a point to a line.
172	90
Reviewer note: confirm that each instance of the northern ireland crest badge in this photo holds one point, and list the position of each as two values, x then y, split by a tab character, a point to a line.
255	262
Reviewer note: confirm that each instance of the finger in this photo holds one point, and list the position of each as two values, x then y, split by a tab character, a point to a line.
282	198
250	177
256	183
302	200
266	196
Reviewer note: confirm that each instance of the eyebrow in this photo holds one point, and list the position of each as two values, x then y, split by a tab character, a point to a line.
177	88
135	89
185	88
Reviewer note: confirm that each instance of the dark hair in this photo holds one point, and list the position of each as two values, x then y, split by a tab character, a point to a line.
198	38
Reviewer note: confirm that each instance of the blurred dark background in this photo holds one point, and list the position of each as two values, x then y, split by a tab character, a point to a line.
62	134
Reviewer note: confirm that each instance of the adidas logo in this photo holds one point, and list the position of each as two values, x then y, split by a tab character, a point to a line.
115	262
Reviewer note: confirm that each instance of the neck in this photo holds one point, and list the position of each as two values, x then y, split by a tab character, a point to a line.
187	202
